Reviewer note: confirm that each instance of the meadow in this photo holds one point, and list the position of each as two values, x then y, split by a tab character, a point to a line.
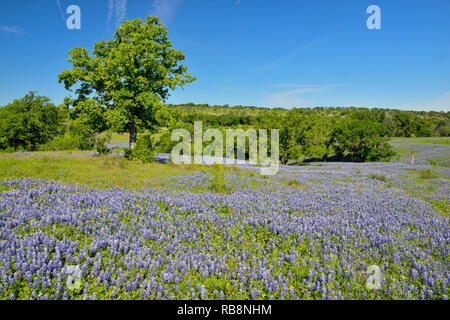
161	231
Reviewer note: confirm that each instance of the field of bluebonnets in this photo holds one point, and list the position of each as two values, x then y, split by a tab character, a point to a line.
310	232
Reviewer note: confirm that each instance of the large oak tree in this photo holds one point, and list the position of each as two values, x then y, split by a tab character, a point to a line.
126	80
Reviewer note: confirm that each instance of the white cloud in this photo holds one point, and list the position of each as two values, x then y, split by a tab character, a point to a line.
61	10
110	11
165	9
295	97
294	54
293	85
118	9
440	104
11	29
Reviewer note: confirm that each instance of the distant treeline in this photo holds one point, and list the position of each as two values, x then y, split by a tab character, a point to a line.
321	134
398	123
308	134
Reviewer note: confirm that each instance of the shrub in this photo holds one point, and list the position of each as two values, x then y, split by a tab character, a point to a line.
428	174
78	137
433	163
68	141
165	144
29	122
360	141
144	149
84	132
101	148
378	177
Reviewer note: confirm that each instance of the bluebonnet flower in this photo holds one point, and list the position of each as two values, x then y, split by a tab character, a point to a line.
128	240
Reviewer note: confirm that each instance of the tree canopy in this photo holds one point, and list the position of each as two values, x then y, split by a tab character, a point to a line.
361	140
125	82
29	121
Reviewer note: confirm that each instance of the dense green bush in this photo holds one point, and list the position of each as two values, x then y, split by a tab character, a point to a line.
68	141
378	177
360	141
144	150
85	132
428	174
79	136
101	140
29	122
165	144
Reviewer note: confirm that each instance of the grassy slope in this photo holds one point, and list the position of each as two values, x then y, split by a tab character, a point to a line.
405	146
117	137
96	172
431	140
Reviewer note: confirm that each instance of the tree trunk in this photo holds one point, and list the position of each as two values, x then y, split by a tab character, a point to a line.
133	135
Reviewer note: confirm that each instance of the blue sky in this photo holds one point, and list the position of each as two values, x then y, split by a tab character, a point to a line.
301	53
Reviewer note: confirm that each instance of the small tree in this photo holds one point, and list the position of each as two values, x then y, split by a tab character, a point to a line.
361	141
126	81
30	121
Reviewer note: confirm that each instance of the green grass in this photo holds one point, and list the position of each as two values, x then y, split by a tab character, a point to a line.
102	172
378	177
125	137
117	137
428	174
430	140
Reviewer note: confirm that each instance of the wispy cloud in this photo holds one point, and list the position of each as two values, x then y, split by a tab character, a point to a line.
118	10
442	103
11	29
294	54
438	103
61	10
237	1
295	97
293	85
165	9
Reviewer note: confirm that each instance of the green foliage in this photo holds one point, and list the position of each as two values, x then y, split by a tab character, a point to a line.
378	177
85	132
101	148
396	122
293	183
309	137
433	163
360	141
165	144
68	141
127	78
30	121
409	124
89	112
78	137
144	150
428	174
309	134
